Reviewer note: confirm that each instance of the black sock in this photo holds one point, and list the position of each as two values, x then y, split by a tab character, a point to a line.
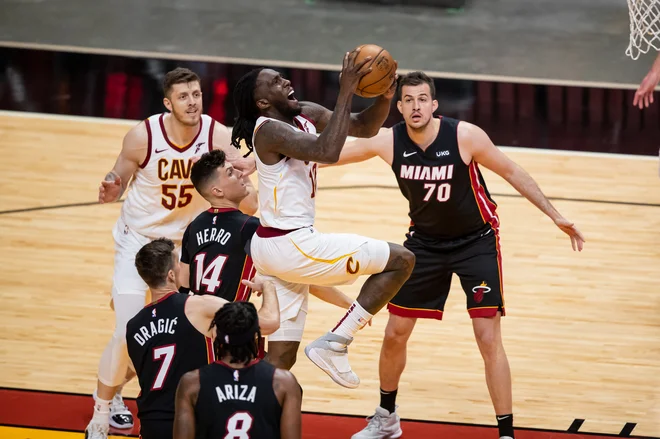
505	425
388	400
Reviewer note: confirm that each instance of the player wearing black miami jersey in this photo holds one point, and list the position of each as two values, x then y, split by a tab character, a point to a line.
454	229
239	396
213	250
171	335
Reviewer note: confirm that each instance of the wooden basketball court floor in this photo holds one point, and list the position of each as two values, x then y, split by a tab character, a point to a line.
582	331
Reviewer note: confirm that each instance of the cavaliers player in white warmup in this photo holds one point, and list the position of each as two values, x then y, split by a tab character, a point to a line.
286	247
156	155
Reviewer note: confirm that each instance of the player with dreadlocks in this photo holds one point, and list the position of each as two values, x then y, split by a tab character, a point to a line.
286	248
238	395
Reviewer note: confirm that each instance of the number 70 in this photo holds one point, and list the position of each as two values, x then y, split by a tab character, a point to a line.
442	193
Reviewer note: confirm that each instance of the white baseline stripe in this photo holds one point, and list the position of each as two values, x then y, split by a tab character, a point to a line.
65	117
128	122
307	65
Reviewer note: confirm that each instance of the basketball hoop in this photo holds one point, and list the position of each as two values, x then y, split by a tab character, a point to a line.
644	27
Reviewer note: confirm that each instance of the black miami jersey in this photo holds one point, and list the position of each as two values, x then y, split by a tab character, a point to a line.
163	345
235	403
447	198
214	246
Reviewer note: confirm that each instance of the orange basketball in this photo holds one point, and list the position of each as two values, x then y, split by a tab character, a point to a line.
383	70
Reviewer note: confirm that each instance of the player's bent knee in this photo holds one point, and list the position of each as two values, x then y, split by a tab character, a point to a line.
283	354
400	259
398	330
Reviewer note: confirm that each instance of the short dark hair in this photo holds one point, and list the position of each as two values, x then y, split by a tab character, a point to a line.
180	75
154	261
203	170
236	324
415	78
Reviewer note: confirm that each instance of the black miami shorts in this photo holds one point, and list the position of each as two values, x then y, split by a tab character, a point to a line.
477	261
156	428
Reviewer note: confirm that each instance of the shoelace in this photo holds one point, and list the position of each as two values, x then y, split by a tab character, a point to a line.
375	421
118	404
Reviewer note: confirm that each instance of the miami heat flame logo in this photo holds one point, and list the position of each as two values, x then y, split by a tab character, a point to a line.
479	291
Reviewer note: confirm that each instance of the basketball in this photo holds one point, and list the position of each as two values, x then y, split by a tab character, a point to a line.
383	70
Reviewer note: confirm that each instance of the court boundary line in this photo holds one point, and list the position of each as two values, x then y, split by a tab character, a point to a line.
339	188
304	65
521	149
341	415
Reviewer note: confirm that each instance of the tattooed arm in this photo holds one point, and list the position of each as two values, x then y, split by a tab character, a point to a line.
364	124
275	139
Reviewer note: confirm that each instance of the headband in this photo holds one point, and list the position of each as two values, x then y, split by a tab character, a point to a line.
241	337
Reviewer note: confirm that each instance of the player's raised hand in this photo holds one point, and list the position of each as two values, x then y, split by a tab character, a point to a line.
246	165
110	188
389	94
351	73
258	284
644	94
577	239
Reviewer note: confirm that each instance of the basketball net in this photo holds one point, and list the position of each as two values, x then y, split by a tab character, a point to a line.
644	27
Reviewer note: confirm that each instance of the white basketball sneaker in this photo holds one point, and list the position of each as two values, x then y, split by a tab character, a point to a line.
330	353
120	416
96	430
382	425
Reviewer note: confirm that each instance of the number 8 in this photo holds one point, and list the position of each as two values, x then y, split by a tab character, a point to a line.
238	426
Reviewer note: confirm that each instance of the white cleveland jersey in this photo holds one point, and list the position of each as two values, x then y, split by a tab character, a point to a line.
162	201
287	189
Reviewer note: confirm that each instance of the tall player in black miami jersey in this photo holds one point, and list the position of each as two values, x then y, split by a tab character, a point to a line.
454	229
239	396
171	335
213	250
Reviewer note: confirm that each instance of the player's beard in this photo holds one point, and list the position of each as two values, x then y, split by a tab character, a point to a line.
288	111
185	119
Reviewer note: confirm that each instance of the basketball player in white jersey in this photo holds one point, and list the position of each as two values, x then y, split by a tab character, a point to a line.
156	158
286	247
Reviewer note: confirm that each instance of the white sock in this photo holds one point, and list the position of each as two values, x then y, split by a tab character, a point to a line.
355	319
101	411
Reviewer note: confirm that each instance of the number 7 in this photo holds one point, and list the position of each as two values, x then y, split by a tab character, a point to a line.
168	352
430	187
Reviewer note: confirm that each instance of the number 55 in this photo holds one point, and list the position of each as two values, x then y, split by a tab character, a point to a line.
169	200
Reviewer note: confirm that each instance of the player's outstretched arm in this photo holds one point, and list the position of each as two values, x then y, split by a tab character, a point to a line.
276	137
289	394
475	142
359	150
269	313
133	153
184	406
200	310
331	295
364	124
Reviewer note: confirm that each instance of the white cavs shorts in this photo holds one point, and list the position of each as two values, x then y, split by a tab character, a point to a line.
305	257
